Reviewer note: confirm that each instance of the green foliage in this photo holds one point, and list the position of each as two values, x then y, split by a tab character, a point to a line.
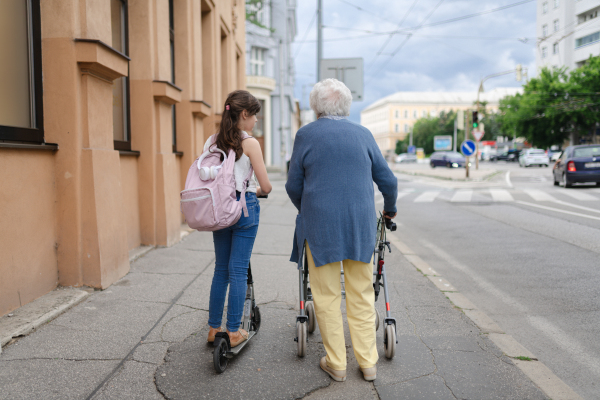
554	105
400	147
426	128
252	9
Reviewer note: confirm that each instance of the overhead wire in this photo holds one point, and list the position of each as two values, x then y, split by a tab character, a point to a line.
312	21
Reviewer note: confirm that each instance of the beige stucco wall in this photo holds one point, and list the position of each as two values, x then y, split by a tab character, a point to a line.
71	216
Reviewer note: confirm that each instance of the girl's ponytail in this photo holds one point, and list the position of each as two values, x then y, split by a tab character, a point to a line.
229	135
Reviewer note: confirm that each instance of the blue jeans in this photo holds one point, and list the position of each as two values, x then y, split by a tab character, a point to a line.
233	247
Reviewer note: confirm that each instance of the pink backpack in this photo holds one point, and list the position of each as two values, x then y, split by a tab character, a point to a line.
209	200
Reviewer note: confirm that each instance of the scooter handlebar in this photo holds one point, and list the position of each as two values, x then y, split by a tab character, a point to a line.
389	224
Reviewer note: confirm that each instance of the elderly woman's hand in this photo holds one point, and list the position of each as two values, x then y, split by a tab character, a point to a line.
389	215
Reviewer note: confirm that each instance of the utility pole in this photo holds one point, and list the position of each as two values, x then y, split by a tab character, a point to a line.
281	112
467	131
319	37
455	133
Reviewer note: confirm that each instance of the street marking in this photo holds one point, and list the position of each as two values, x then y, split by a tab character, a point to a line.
427	196
501	195
577	206
402	194
561	338
462	196
538	195
577	195
559	210
508	182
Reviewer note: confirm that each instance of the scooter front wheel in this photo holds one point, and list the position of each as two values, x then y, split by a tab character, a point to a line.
219	355
301	337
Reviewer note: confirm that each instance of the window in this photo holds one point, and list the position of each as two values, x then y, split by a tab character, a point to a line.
121	127
257	61
396	128
397	114
544	52
555	48
594	37
544	30
414	113
544	7
424	114
405	128
556	25
259	128
405	113
556	3
21	117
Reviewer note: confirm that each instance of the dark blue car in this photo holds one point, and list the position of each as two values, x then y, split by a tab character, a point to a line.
578	164
450	159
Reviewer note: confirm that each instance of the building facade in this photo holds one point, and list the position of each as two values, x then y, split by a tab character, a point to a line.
270	68
104	105
568	32
391	118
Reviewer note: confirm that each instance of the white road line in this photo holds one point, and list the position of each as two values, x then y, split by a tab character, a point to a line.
501	195
427	197
558	336
578	195
508	182
402	194
559	210
539	195
462	196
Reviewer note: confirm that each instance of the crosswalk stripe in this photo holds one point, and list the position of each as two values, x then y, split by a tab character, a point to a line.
539	195
501	195
462	196
402	194
427	197
578	195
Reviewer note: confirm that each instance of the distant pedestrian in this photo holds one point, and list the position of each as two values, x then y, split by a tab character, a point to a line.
233	245
333	166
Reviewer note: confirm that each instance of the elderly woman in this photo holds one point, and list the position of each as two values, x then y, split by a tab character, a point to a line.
330	181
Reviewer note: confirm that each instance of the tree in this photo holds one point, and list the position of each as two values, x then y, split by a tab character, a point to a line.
426	128
253	7
400	147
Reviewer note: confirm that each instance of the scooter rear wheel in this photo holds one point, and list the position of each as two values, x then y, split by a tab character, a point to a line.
312	319
301	332
255	319
219	359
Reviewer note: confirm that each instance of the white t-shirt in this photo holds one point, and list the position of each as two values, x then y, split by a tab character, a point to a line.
240	171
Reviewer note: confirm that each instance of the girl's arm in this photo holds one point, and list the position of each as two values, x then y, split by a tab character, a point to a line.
252	150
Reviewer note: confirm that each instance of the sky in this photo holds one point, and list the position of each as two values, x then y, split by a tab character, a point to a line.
452	56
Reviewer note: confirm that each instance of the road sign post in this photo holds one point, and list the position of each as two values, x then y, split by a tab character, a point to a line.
468	147
347	70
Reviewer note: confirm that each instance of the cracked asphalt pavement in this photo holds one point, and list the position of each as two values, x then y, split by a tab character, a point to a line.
145	337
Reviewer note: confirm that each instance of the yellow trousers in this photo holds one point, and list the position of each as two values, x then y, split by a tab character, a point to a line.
360	309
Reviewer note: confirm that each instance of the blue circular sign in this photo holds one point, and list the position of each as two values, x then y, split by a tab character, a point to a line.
468	147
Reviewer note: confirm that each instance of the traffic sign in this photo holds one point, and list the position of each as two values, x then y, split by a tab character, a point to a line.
412	149
468	147
478	135
347	70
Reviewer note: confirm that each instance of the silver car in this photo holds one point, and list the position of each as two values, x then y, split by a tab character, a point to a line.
531	157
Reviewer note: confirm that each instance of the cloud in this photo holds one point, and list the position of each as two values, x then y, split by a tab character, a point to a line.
448	57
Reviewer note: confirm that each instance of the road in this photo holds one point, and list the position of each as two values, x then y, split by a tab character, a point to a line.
525	252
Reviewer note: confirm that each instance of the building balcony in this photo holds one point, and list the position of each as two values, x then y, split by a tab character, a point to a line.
260	82
582	6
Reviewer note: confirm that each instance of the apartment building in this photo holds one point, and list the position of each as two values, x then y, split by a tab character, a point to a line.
270	68
391	118
568	32
104	105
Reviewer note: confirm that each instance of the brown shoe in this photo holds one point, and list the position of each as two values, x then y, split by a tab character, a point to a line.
236	338
370	374
336	375
212	332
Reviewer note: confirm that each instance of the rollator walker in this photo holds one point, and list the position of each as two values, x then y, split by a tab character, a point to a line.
306	321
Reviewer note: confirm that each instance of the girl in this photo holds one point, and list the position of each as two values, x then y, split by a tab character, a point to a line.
233	245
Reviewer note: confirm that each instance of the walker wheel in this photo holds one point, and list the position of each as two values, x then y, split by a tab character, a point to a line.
389	341
377	319
301	332
255	325
312	321
219	355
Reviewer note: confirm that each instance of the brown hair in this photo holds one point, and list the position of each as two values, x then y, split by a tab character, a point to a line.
229	135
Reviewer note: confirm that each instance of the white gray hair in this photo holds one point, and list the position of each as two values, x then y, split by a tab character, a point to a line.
331	97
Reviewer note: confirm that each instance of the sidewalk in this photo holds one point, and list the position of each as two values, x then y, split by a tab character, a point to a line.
145	336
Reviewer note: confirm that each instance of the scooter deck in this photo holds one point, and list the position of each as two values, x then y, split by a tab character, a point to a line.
234	351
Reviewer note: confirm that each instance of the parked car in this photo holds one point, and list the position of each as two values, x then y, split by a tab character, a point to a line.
405	158
555	156
531	157
507	155
450	159
578	164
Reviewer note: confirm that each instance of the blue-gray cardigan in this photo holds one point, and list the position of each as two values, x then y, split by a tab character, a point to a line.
332	170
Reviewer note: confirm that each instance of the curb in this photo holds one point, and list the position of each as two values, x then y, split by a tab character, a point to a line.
29	317
526	361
